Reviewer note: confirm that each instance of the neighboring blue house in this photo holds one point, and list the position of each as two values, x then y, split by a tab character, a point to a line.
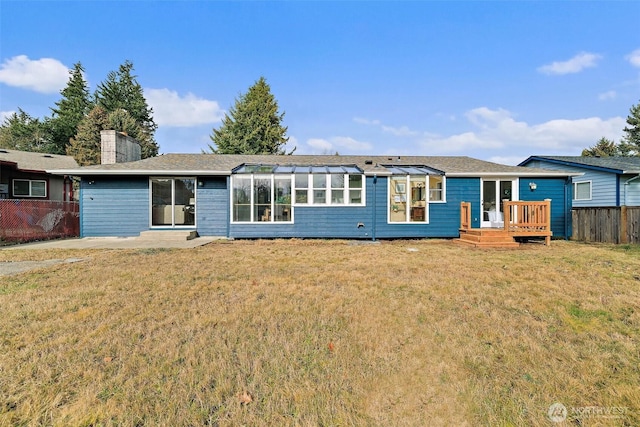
605	181
263	196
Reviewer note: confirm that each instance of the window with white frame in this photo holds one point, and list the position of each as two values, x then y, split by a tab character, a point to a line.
269	198
29	188
173	202
582	190
411	190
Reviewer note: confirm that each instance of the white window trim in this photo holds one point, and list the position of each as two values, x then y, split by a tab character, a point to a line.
252	220
173	200
575	191
294	204
30	181
408	211
310	189
444	191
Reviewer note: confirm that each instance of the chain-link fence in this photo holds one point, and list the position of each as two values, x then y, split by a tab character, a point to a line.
29	220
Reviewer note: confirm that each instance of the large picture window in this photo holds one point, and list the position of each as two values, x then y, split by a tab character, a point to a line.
173	202
29	188
270	198
410	196
261	198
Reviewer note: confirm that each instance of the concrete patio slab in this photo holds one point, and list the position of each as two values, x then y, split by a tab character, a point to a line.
115	243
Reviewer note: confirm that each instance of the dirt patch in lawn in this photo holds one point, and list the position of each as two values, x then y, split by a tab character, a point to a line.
9	268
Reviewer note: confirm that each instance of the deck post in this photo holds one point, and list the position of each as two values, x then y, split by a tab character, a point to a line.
506	207
465	215
547	214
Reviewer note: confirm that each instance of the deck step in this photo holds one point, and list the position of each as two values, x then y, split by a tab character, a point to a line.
486	238
165	235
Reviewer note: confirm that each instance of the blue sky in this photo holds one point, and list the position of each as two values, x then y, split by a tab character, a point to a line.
493	80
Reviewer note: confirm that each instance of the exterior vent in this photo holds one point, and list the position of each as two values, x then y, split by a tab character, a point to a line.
48	156
368	162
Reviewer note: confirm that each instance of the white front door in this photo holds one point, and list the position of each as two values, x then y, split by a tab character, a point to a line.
492	193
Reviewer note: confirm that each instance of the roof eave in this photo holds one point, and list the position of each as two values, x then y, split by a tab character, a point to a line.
516	174
139	172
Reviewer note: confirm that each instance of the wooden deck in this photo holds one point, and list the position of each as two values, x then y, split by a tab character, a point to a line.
521	219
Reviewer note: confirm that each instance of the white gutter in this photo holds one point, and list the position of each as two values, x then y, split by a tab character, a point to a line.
516	174
625	187
138	172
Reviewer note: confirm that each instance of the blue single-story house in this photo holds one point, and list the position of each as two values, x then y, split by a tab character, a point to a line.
604	181
309	196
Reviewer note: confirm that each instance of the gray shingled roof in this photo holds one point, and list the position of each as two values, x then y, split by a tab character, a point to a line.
26	160
622	164
209	164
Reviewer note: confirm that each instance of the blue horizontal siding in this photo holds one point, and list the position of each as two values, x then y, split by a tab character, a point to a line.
114	206
559	191
603	184
444	218
342	222
212	210
630	193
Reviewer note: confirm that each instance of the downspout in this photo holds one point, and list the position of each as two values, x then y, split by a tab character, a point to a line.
626	188
568	217
228	215
80	211
375	208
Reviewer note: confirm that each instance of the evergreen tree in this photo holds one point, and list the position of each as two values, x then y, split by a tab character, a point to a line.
121	90
630	144
252	126
70	110
85	146
22	132
603	148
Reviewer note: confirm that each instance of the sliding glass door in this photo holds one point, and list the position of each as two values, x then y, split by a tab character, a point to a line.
173	202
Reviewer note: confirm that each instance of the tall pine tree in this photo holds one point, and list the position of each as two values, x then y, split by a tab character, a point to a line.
252	126
603	148
85	146
630	143
22	132
121	90
70	110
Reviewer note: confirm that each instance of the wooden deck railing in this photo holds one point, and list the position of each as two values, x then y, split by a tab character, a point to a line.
521	219
528	219
465	215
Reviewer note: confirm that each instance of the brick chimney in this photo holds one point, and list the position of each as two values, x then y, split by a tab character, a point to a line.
118	147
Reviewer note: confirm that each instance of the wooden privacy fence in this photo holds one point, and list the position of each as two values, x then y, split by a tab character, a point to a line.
29	220
607	224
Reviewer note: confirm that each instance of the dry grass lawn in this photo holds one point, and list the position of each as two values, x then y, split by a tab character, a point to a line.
322	333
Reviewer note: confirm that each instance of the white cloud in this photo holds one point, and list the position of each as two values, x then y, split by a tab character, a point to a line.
363	121
350	144
634	58
610	94
574	65
397	131
319	144
170	109
507	160
498	130
341	144
4	115
46	75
